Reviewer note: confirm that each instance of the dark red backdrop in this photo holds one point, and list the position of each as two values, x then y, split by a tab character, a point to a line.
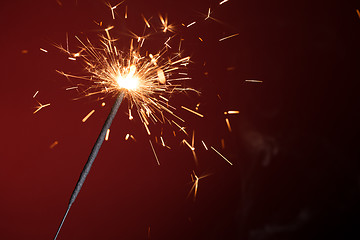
293	144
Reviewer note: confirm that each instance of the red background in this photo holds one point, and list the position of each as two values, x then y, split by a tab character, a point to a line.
294	143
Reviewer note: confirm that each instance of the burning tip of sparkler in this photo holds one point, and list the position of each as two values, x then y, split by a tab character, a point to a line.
130	81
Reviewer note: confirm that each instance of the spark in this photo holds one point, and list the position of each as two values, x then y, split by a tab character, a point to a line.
67	42
165	26
152	147
130	115
147	129
232	112
222	2
195	179
103	104
228	124
53	144
41	106
146	21
224	38
98	23
166	43
208	15
191	147
181	128
70	88
126	11
127	137
193	140
189	25
197	106
164	98
88	115
113	7
221	155
161	76
44	50
59	3
204	145
71	58
35	94
222	143
253	80
358	12
107	134
192	111
146	79
201	39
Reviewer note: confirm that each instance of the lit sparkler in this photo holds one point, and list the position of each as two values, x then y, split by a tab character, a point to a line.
144	79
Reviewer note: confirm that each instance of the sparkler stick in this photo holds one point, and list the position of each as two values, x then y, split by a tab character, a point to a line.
92	156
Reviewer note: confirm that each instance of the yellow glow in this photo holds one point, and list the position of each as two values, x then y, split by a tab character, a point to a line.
129	81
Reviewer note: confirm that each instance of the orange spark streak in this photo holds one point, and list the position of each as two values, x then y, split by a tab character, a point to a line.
88	115
195	179
41	106
232	112
162	141
53	144
192	111
147	129
70	88
107	134
204	145
181	128
228	124
224	38
146	21
221	155
35	94
208	15
224	1
189	25
253	80
157	160
188	144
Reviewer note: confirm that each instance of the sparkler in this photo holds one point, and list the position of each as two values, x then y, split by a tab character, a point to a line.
145	79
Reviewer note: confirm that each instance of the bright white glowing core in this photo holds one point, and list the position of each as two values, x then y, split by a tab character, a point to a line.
129	81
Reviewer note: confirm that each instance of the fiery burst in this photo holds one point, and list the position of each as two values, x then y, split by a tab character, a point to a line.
147	79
